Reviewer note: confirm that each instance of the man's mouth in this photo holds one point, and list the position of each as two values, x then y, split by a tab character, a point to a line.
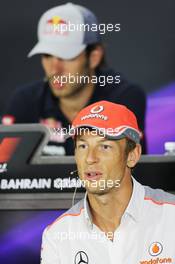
93	175
55	82
57	85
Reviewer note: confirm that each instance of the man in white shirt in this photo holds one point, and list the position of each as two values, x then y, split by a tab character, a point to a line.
119	220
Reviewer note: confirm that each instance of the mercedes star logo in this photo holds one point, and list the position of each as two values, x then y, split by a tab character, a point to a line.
81	257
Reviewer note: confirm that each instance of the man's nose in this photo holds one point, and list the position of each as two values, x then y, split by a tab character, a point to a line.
57	65
92	156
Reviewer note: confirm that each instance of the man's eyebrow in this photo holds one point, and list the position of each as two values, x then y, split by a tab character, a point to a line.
81	139
104	139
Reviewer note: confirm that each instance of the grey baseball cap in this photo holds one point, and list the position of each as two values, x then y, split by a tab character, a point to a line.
65	31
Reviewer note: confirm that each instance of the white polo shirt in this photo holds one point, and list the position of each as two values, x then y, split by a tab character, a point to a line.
146	234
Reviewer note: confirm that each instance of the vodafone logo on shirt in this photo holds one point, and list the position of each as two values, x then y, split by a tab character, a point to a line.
157	261
154	250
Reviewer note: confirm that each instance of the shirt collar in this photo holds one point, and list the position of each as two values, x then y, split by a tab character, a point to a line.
134	208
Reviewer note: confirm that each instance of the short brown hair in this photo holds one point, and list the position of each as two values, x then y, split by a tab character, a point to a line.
130	145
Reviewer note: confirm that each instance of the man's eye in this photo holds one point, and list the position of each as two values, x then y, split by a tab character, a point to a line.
82	146
46	55
104	146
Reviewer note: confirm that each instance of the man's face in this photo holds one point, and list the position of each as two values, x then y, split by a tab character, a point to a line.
100	161
56	68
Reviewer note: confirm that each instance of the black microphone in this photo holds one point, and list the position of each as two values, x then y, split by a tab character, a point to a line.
72	172
73	198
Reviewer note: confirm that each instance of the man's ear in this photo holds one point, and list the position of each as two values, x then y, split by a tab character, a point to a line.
134	156
96	56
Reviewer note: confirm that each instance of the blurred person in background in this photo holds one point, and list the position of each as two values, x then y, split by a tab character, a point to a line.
76	75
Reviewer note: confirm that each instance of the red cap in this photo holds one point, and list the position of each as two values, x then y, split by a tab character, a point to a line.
114	120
